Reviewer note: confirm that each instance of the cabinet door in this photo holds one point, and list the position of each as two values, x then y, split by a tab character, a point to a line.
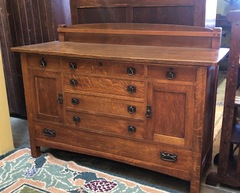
46	95
172	113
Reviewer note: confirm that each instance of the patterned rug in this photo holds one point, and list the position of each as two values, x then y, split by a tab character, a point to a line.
20	173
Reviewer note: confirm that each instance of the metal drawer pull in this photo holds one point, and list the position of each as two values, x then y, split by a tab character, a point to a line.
73	82
72	65
132	109
75	101
49	132
170	74
170	157
76	119
131	89
148	112
132	129
43	63
131	71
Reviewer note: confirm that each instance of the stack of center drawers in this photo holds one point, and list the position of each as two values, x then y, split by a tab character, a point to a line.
105	97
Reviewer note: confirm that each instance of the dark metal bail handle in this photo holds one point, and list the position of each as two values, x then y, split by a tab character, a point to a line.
76	119
149	112
131	89
132	109
72	65
49	132
60	99
132	129
131	71
170	74
170	157
73	82
75	101
42	63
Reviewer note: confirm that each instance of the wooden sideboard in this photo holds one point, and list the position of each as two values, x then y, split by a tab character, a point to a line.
142	94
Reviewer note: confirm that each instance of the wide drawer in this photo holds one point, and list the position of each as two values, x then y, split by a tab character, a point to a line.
157	155
105	105
102	67
103	124
43	62
104	85
172	73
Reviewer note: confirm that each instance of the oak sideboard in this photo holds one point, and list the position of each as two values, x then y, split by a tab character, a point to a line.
142	94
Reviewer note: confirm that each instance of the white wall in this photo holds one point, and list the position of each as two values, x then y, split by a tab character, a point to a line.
6	140
224	7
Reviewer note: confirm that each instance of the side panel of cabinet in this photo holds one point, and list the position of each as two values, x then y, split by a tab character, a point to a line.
172	107
46	94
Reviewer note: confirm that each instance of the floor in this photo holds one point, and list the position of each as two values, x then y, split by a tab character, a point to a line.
21	138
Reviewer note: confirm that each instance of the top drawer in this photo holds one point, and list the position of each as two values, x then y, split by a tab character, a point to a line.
43	62
103	67
172	73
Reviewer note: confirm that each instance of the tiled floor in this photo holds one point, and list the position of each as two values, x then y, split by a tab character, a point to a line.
21	138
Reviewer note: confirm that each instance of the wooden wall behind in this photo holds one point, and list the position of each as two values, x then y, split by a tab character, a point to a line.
25	22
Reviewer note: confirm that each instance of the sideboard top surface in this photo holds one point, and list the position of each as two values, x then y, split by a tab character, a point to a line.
153	54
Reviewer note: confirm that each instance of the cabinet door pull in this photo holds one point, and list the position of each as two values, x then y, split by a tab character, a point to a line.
170	74
132	109
132	129
43	63
76	119
149	112
72	65
170	157
73	82
131	71
60	99
131	89
49	132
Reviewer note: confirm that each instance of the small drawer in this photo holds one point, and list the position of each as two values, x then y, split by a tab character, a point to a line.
103	124
121	69
43	62
79	66
105	105
172	73
102	67
118	87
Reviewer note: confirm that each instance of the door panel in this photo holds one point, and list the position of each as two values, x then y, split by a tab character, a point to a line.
46	91
172	113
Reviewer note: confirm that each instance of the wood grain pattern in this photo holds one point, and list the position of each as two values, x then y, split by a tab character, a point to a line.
153	54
